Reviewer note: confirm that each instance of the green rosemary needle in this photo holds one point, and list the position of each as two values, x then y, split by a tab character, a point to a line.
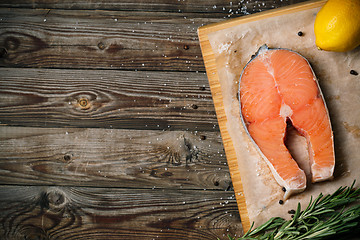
324	217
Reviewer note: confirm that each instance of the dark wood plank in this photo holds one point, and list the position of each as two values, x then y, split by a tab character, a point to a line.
106	99
111	157
100	39
112	213
131	39
193	6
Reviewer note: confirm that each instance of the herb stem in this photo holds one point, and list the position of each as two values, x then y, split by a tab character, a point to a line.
326	216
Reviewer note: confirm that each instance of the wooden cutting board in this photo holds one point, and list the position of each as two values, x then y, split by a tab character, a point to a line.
227	46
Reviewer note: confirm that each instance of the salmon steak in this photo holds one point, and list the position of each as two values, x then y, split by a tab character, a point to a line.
278	88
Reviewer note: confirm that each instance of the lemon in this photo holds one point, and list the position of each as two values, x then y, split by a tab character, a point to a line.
337	25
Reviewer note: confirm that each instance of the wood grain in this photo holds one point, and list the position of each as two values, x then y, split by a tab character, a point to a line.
118	137
112	213
100	39
111	157
208	7
215	86
106	99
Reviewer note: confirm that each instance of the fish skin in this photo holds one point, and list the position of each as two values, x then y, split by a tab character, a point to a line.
266	107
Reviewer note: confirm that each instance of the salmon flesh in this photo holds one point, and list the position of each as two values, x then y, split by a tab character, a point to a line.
278	86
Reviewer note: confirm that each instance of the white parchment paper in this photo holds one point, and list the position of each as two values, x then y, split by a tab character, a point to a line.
233	48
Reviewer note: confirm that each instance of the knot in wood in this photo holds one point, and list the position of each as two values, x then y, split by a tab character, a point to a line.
101	46
55	198
11	43
3	52
167	174
67	157
34	233
84	103
194	106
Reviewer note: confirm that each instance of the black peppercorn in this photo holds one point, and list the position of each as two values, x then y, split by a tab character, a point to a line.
281	202
353	72
292	211
284	189
300	33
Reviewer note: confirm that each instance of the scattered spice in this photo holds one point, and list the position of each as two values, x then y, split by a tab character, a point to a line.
284	189
235	51
281	202
353	72
300	33
292	211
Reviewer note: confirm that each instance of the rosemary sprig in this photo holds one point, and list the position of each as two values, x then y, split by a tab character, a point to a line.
324	217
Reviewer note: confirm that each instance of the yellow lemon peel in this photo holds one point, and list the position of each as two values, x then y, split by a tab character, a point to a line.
337	26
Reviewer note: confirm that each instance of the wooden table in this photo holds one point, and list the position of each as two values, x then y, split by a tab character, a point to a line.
107	125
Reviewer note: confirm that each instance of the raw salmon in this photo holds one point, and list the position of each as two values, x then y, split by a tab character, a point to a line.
278	86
